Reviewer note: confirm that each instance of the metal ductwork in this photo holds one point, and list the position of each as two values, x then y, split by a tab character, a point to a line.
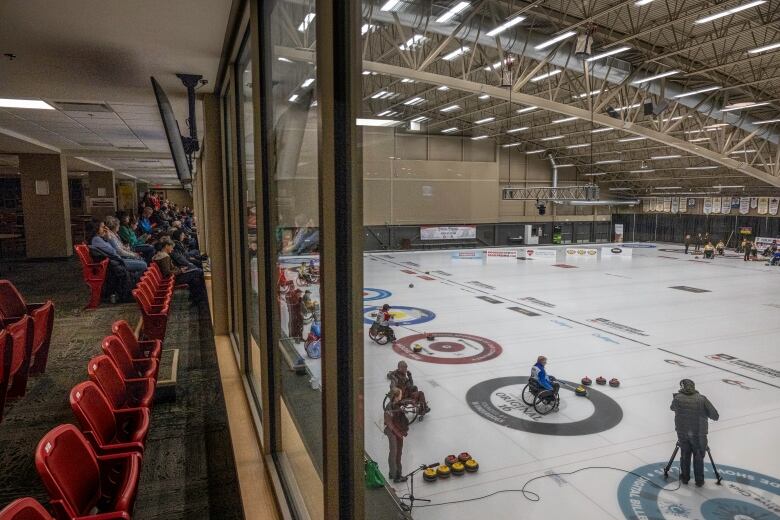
523	42
554	170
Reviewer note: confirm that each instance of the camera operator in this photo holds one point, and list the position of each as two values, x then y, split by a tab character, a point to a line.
691	413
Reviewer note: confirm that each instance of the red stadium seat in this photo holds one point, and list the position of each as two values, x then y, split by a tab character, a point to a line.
138	349
130	368
13	307
109	431
156	298
21	333
94	274
81	483
5	364
155	317
121	393
25	509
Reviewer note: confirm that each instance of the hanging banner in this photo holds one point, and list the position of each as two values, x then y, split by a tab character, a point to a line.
691	203
726	208
646	206
774	202
659	203
716	204
734	202
753	202
502	255
683	205
675	204
667	204
744	205
707	205
763	205
448	232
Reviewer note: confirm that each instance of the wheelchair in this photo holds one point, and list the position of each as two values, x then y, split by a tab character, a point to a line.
411	409
381	335
543	401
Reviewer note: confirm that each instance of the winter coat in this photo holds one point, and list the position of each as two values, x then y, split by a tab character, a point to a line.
691	411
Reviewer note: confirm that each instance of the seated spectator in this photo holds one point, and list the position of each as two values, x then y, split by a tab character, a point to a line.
182	254
145	222
112	223
102	242
183	275
119	282
127	232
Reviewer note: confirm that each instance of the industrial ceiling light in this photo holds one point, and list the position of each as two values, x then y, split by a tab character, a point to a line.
25	103
526	109
743	106
376	122
702	167
565	120
407	80
770	47
699	140
546	75
594	174
388	113
555	39
600	130
511	145
443	88
379	94
640	171
293	98
450	108
506	25
607	161
640	3
453	11
390	5
552	138
668	188
454	54
728	12
565	165
479	137
367	27
497	64
657	76
635	105
419	119
450	130
485	120
307	82
414	101
610	52
586	94
285	60
306	21
583	145
661	157
518	129
721	187
766	122
412	42
699	91
484	97
534	151
630	139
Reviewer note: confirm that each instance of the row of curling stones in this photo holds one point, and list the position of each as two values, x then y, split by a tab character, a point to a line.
586	381
453	465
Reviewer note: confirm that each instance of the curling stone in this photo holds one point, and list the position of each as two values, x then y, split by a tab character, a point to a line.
429	475
417	347
430	337
601	381
458	469
471	466
614	382
449	460
443	471
580	391
587	381
411	285
463	457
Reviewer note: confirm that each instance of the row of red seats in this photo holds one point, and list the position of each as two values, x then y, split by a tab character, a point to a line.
92	473
153	295
24	341
94	274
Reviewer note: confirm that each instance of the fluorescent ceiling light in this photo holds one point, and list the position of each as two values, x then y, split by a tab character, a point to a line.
675	118
506	25
25	103
750	150
640	3
583	145
390	5
365	72
766	122
657	76
306	21
552	138
610	52
586	94
388	113
765	48
485	120
705	129
555	39
414	101
565	165
546	75
443	88
660	157
307	82
728	12
700	91
376	122
511	145
285	60
454	54
450	108
367	27
515	130
533	151
293	98
412	42
593	174
607	161
640	171
630	139
699	140
702	167
716	126
450	130
668	188
497	64
407	80
419	119
479	137
379	94
600	130
724	187
565	120
743	106
484	97
457	8
635	105
526	109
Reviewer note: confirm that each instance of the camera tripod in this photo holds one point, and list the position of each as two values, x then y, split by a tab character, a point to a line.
674	455
410	497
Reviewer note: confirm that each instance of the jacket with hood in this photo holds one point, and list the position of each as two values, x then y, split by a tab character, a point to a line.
691	411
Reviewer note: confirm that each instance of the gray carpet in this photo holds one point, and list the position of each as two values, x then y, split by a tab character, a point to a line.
188	469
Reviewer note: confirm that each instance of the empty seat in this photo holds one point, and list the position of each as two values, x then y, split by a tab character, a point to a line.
13	307
121	393
81	483
109	431
138	349
155	317
129	368
94	274
25	509
21	333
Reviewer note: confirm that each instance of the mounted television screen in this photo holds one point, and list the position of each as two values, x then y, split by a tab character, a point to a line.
173	134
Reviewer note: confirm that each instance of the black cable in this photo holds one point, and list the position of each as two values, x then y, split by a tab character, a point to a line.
533	497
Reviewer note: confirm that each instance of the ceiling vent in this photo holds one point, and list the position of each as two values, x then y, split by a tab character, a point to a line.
66	106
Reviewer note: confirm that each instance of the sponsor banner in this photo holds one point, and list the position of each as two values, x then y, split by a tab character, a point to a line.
448	232
468	255
683	205
619	326
726	206
619	233
582	252
716	204
744	205
501	255
735	202
764	242
745	230
616	251
482	285
691	203
540	254
538	302
659	203
707	205
774	202
640	246
667	204
754	367
763	205
675	205
753	202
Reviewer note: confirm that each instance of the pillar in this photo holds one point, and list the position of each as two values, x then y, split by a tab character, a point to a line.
45	205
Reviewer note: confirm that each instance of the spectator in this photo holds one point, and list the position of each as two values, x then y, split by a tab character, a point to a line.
747	247
183	275
145	222
112	223
103	241
127	232
182	256
687	243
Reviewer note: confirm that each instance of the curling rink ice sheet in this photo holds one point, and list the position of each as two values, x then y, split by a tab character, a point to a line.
649	320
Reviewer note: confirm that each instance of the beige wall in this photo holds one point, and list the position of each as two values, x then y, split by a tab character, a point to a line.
46	217
179	197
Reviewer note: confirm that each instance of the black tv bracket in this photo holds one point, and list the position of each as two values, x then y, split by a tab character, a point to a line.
190	142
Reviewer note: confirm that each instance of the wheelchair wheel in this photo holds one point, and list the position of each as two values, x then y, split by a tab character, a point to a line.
378	337
408	406
544	404
527	396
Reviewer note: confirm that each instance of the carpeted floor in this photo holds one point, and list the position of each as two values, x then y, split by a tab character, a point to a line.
188	469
